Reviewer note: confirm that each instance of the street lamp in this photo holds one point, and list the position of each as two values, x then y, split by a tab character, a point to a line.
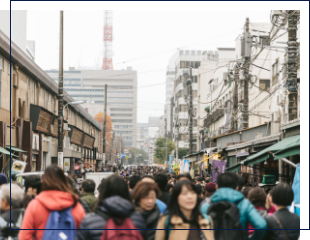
72	103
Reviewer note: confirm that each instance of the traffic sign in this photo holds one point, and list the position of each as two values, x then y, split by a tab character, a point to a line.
127	157
123	155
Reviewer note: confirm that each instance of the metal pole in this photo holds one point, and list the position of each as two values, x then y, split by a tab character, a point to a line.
105	118
234	122
166	140
60	95
190	113
245	114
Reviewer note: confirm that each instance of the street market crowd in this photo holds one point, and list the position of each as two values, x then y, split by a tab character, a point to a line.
144	203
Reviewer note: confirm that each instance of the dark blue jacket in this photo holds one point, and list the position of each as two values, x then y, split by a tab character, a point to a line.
113	206
248	213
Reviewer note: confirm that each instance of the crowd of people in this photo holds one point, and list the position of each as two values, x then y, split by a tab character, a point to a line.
145	204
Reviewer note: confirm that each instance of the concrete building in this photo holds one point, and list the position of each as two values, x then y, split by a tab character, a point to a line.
185	59
170	77
18	30
34	117
142	132
88	85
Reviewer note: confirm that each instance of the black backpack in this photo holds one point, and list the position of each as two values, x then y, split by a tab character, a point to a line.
225	215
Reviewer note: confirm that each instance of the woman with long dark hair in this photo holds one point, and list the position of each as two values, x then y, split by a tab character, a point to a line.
113	202
56	195
183	213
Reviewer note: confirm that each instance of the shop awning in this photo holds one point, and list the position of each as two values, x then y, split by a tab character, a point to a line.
2	150
15	149
280	147
234	168
292	149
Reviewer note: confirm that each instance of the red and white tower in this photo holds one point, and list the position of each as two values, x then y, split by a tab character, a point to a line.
107	40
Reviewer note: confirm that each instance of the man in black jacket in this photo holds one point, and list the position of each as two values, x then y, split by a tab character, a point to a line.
161	179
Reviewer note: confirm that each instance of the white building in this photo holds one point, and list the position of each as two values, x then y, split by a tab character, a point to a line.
18	30
88	86
184	60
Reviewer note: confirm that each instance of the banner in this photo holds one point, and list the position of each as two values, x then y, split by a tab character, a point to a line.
186	166
170	159
217	168
67	164
182	167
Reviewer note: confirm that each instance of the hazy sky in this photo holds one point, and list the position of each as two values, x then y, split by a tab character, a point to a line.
144	40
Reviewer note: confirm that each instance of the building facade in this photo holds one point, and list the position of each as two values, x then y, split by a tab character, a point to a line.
88	86
33	123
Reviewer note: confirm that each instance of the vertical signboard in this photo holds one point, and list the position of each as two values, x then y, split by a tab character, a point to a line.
67	164
186	166
170	159
60	159
218	167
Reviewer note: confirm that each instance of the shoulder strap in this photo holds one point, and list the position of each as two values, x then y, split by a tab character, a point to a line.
167	227
279	223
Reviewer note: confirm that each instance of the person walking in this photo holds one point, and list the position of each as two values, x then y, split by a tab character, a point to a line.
113	203
33	187
11	201
257	197
210	189
88	193
56	196
183	213
284	224
226	197
161	179
144	197
14	180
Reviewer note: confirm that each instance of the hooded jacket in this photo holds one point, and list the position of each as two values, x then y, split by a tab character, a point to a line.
112	206
38	210
248	214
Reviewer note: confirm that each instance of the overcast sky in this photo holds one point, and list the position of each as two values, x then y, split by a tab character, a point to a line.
144	40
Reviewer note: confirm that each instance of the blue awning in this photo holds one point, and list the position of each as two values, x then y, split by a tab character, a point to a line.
242	154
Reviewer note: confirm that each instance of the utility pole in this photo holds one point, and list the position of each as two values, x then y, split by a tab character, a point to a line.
234	121
177	125
190	112
166	140
105	118
292	43
60	95
247	59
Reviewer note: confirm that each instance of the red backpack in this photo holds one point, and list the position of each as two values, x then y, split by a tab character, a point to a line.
121	229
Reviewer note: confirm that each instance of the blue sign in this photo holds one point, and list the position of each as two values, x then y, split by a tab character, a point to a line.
123	155
170	158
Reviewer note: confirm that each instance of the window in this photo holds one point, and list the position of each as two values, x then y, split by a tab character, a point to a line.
34	93
1	70
275	73
264	84
264	40
1	64
292	106
43	96
122	120
211	86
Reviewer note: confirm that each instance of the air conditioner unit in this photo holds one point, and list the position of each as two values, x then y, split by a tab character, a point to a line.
280	100
276	117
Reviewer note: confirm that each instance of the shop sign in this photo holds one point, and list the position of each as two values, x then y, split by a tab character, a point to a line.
234	143
55	128
77	136
24	158
44	121
67	164
60	159
88	141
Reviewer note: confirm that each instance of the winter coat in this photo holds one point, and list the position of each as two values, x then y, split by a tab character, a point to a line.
288	220
85	206
38	211
165	196
16	220
90	199
112	206
248	213
178	223
151	219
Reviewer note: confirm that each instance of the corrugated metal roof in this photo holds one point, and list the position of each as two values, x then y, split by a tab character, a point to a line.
30	68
